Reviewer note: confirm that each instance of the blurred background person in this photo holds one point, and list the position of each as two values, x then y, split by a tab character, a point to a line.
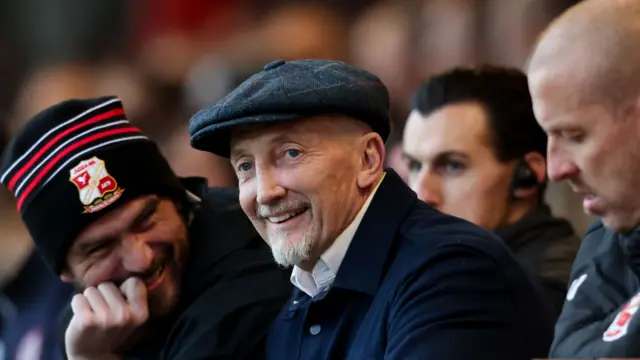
475	150
31	297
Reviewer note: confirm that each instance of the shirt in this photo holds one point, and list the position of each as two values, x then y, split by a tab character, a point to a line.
325	270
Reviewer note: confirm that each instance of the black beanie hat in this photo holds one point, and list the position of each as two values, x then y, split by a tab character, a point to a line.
74	162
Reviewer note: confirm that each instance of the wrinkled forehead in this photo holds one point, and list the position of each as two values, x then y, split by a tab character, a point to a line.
248	139
311	131
555	92
118	220
566	80
250	132
561	102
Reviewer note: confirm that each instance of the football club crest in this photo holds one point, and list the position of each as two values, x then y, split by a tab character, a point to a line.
620	324
97	189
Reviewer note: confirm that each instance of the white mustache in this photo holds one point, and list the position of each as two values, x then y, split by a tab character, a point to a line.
264	211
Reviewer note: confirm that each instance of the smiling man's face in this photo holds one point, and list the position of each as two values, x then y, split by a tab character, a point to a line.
145	238
300	182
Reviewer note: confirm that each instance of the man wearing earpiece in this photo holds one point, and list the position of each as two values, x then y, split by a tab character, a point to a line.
475	151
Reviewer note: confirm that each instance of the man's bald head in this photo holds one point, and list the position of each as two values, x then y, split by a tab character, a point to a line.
595	45
584	78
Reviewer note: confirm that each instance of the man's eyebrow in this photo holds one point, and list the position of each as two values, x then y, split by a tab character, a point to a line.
441	155
149	208
235	153
87	245
90	242
451	153
406	156
280	138
239	151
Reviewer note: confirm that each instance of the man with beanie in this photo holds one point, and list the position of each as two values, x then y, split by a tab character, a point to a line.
377	273
166	267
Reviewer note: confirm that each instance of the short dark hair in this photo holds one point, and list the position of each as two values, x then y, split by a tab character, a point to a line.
503	92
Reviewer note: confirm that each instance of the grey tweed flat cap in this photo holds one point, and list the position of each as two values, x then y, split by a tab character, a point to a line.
291	90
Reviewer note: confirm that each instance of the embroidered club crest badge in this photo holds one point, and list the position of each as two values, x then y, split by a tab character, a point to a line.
97	189
620	324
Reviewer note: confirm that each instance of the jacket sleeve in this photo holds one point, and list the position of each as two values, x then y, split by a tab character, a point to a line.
457	306
582	314
230	319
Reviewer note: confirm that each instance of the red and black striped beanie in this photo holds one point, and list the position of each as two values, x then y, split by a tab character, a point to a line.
74	162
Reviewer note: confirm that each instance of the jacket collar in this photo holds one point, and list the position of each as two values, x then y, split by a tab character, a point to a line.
364	263
536	224
630	244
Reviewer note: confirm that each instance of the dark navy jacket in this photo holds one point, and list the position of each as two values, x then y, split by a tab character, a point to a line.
417	284
30	309
600	318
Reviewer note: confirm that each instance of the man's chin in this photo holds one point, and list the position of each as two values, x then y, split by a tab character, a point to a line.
620	224
288	260
288	256
162	306
164	299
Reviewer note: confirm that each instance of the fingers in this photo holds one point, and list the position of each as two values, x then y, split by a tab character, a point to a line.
136	295
81	306
83	315
119	309
105	317
98	304
111	306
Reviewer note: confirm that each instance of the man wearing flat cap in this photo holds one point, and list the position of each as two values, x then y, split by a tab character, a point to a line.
167	268
377	273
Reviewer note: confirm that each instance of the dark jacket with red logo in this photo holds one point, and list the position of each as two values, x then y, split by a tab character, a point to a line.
600	317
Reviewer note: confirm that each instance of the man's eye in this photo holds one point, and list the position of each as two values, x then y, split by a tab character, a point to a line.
454	167
245	166
292	153
414	166
572	135
144	223
97	249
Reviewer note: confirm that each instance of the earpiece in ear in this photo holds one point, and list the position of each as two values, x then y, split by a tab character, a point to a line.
523	177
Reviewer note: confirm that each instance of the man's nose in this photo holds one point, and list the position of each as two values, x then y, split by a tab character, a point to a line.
427	187
268	190
560	166
137	254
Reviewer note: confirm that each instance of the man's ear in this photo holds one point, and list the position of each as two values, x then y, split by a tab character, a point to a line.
372	159
538	165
